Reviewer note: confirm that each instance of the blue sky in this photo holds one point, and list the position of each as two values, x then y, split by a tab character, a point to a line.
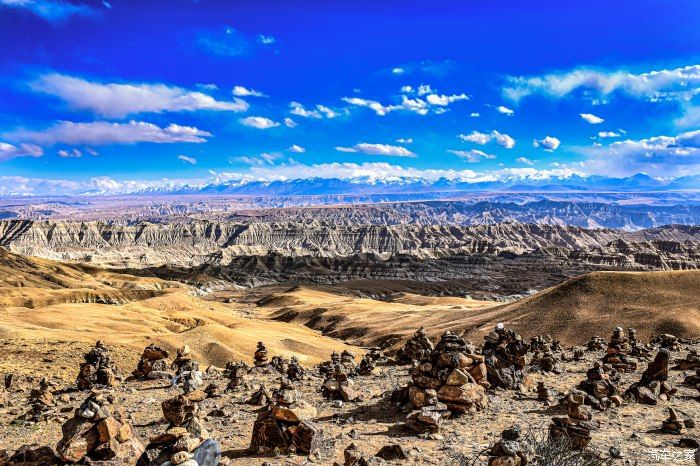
121	95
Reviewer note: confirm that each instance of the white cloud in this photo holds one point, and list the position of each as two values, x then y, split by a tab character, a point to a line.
187	159
475	115
524	160
258	122
241	91
473	155
377	107
50	10
266	40
549	143
608	134
424	89
296	149
260	160
319	112
73	154
9	151
676	84
119	100
505	110
398	70
666	156
406	89
289	123
378	149
690	118
405	141
592	119
444	100
501	139
103	132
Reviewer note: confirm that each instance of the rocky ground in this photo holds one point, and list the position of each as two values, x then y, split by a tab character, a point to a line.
371	422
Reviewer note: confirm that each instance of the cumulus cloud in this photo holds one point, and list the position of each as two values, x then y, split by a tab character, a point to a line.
474	115
483	138
187	159
608	134
398	70
259	122
676	84
9	151
102	132
320	111
241	91
54	11
289	123
266	40
378	149
505	110
405	140
473	155
592	119
549	143
525	161
265	158
296	149
119	100
70	154
667	156
444	100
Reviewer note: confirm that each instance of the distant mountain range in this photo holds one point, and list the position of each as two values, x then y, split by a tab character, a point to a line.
364	185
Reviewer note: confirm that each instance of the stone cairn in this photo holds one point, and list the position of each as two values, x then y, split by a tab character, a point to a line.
285	424
653	384
544	394
280	364
184	362
447	382
508	450
544	360
186	441
691	361
347	362
339	386
576	425
417	349
260	397
235	372
578	353
599	386
504	352
617	352
95	434
153	364
637	348
327	367
260	357
41	401
539	342
667	341
295	371
596	343
98	369
368	366
673	425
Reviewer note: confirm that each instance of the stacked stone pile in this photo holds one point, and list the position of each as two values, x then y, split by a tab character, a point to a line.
94	434
417	349
186	441
596	343
286	424
653	385
153	364
504	352
600	387
617	352
509	450
576	425
295	371
97	369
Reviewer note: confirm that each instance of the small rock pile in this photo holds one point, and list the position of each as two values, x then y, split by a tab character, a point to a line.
260	397
667	341
235	373
505	358
280	364
95	434
368	365
540	341
339	386
600	387
509	451
617	352
184	362
577	425
347	362
691	361
97	369
673	425
693	380
30	455
448	382
186	441
260	356
653	386
153	364
578	353
544	360
41	401
295	371
326	367
285	424
637	348
417	349
545	394
596	343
